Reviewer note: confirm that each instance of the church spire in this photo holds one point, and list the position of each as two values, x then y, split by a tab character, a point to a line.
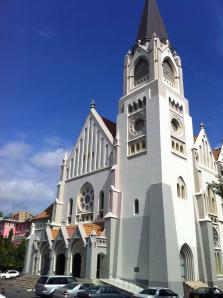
151	22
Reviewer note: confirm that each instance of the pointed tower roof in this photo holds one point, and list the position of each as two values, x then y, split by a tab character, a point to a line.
151	22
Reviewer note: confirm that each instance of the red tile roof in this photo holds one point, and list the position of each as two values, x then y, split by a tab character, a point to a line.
46	214
110	125
98	228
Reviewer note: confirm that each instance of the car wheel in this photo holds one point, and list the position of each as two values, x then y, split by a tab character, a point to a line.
3	277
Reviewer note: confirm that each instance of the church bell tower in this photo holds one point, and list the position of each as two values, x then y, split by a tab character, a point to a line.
156	137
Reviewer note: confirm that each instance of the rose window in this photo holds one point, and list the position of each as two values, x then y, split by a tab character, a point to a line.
86	198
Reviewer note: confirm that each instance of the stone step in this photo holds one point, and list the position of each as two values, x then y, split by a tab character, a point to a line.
123	285
195	284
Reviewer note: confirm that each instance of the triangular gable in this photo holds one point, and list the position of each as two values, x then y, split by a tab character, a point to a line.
94	147
46	236
71	230
205	156
62	235
97	229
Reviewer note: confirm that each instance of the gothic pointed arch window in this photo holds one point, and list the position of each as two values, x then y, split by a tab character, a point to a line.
187	263
141	71
212	205
101	204
69	211
168	71
181	188
136	206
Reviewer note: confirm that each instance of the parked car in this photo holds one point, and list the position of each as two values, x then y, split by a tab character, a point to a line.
9	274
156	292
102	292
71	290
206	292
47	284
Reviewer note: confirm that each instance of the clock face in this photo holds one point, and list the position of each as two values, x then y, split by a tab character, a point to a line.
176	126
136	126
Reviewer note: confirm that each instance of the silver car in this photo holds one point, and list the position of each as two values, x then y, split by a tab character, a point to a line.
71	290
47	284
156	293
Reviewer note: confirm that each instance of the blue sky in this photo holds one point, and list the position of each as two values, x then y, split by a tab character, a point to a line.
57	55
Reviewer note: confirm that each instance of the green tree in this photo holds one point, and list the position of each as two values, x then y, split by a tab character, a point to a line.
20	254
217	186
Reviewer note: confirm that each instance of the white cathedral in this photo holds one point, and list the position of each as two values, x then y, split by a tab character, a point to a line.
133	200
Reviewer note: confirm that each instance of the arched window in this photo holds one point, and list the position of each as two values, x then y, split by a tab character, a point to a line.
178	190
85	203
136	206
110	200
69	211
215	237
168	72
187	263
181	188
141	71
67	173
71	167
101	203
212	206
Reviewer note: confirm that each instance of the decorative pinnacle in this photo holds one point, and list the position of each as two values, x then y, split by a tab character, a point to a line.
202	125
92	104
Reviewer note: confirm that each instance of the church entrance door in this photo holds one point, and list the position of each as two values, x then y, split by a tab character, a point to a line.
60	264
76	265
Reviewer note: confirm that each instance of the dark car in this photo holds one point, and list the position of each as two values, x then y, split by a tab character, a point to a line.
103	292
206	292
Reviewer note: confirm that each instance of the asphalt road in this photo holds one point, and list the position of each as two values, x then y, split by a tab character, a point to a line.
13	293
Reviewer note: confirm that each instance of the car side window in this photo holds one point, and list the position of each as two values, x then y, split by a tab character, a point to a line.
148	292
112	290
64	281
167	292
103	290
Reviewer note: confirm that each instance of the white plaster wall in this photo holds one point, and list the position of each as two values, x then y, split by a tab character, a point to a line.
173	167
136	175
100	181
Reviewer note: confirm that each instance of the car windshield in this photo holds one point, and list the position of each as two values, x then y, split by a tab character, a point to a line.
71	285
149	291
42	280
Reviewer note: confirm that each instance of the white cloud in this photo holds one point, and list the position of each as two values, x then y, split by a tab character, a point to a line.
28	178
24	189
48	159
15	150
